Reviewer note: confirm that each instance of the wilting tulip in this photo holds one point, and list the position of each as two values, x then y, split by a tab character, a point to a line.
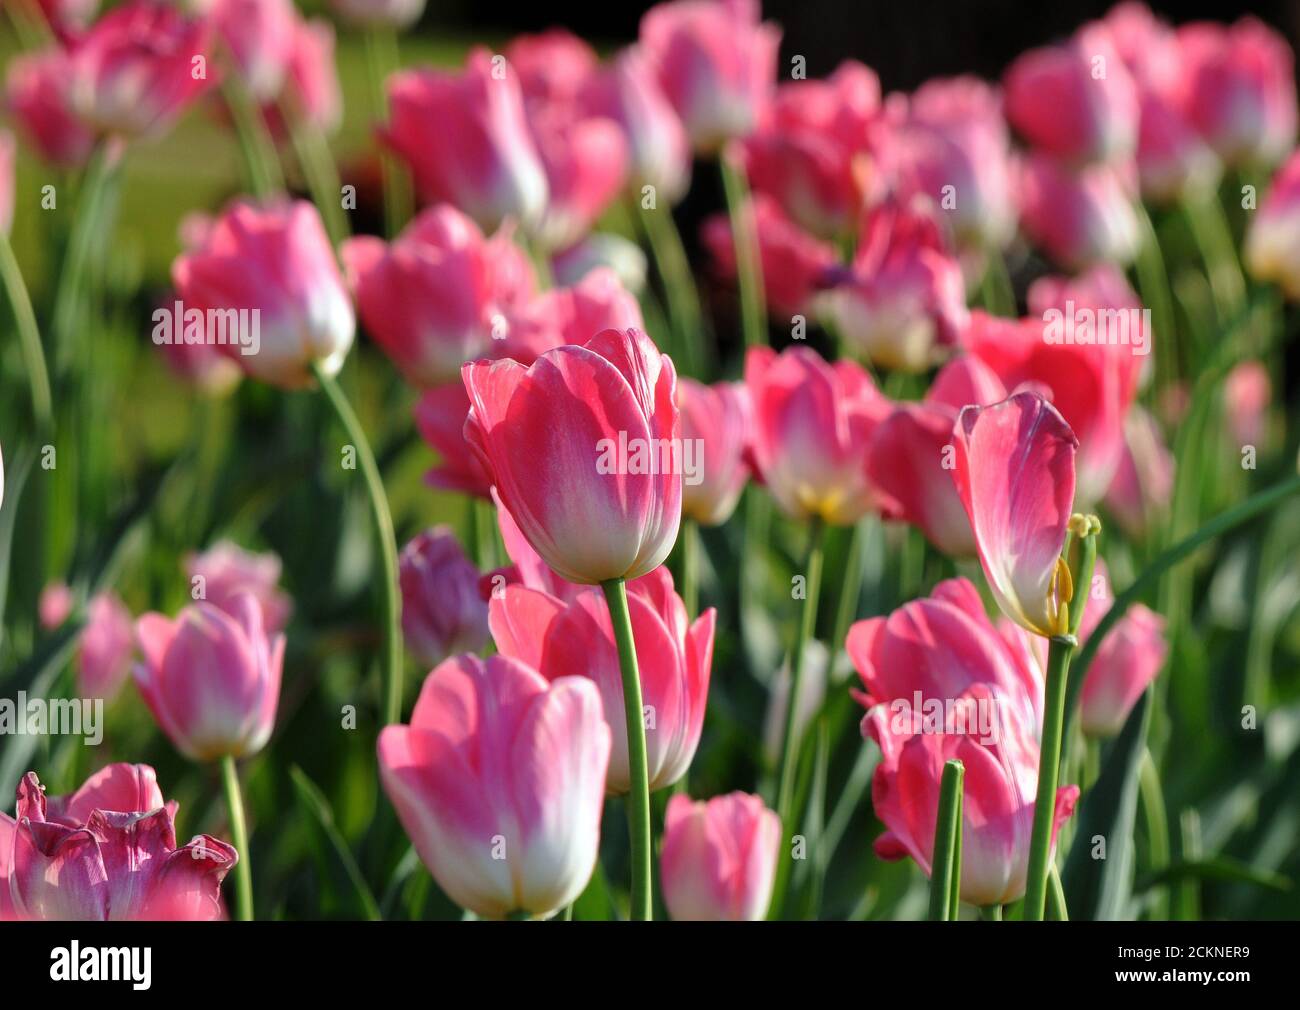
1081	217
39	98
107	852
577	638
585	160
442	611
258	34
387	13
499	781
1014	471
570	315
138	68
719	858
211	679
1272	250
716	418
601	417
440	419
439	294
225	570
812	429
795	265
107	646
276	260
1239	89
716	62
911	455
903	300
1143	484
466	139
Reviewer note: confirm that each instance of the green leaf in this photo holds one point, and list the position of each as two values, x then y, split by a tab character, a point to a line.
1222	869
314	801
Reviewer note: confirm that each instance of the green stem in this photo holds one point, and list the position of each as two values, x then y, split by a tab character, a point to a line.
381	60
383	520
29	335
1153	281
1213	238
322	175
996	292
1056	896
749	267
691	566
69	298
1157	825
851	591
679	285
945	866
638	799
993	913
260	158
1049	765
239	838
807	624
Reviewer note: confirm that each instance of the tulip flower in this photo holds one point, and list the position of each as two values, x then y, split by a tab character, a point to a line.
211	678
575	444
719	858
526	566
1014	471
554	66
440	419
311	92
1173	162
225	570
276	260
570	315
54	605
499	781
138	68
259	37
1272	251
379	13
586	160
717	418
812	428
466	138
560	639
107	852
911	456
442	612
716	63
1143	484
107	647
1079	218
38	96
1247	393
438	295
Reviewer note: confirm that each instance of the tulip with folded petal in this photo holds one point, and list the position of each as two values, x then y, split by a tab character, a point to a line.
719	858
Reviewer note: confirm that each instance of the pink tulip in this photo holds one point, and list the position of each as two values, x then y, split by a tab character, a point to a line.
211	679
138	68
585	159
6	181
560	639
1078	218
258	34
107	852
554	66
719	858
911	455
795	265
499	782
1015	475
379	13
107	648
1143	485
438	295
1247	395
442	611
717	418
1074	101
202	366
225	570
39	98
1272	250
440	418
584	449
311	92
55	605
570	315
716	62
1238	89
67	17
904	298
812	428
276	260
466	139
526	566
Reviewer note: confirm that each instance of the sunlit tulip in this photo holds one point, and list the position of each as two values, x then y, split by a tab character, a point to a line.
499	782
719	858
442	611
258	34
438	295
1143	484
1014	471
911	456
440	419
276	260
139	67
554	66
570	315
311	91
38	96
225	570
585	159
717	418
374	13
1078	218
212	680
107	852
716	62
107	647
812	428
466	138
1272	250
584	448
674	658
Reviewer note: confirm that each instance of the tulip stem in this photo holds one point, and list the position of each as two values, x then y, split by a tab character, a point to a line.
945	867
383	520
1056	895
1049	767
320	173
382	59
675	271
29	335
691	567
749	265
239	833
87	224
260	159
638	798
1213	238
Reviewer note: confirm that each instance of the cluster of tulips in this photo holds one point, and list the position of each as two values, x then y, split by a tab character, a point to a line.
564	387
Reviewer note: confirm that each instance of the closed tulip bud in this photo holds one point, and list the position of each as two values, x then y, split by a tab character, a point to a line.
1078	217
107	852
812	429
225	570
1272	250
258	34
385	13
107	647
1247	393
39	97
599	421
212	680
719	858
717	418
311	90
54	605
442	611
277	261
499	782
1143	485
1173	162
560	639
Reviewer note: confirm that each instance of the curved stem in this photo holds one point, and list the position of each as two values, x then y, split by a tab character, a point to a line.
691	567
807	623
945	866
239	833
1157	824
1213	238
679	285
383	520
638	798
1056	896
260	159
1049	764
29	335
321	174
749	267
